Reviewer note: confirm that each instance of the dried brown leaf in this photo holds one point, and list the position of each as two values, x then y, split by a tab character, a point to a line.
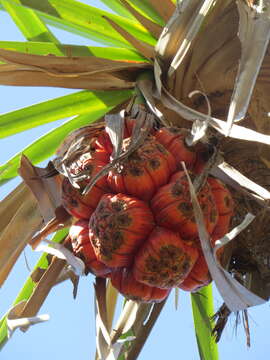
111	301
47	190
65	66
152	27
174	33
43	288
10	204
164	8
103	338
254	28
61	252
61	220
241	180
126	320
14	321
191	30
19	76
176	298
209	64
237	131
259	106
71	72
246	326
68	274
235	295
115	129
145	84
76	143
145	49
16	234
220	317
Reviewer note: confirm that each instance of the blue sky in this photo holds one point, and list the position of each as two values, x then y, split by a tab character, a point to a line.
70	332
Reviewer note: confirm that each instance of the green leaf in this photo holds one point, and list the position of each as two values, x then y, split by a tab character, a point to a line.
29	286
45	48
78	103
87	21
142	6
32	27
147	10
203	309
118	8
46	145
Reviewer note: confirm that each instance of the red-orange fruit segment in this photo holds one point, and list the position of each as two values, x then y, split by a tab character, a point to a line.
73	202
82	247
123	280
222	196
173	140
78	205
144	171
225	207
222	227
118	226
164	260
173	209
103	147
198	277
128	127
88	166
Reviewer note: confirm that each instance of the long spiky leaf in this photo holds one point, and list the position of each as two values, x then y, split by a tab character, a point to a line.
29	23
45	48
83	102
203	310
46	145
142	6
86	20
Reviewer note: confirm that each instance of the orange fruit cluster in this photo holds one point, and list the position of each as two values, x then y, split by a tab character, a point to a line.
136	225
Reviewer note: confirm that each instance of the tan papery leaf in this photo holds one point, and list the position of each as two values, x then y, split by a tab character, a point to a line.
16	235
235	295
254	28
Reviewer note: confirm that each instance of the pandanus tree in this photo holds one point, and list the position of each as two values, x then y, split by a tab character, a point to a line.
160	179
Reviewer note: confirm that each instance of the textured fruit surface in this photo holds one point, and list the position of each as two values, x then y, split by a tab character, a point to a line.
123	280
164	260
222	196
145	170
82	247
198	277
73	201
173	139
225	207
83	170
118	226
173	209
139	220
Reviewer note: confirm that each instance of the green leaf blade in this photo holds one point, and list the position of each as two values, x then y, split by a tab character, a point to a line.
46	48
142	6
118	8
147	10
87	21
29	23
203	309
78	103
46	145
